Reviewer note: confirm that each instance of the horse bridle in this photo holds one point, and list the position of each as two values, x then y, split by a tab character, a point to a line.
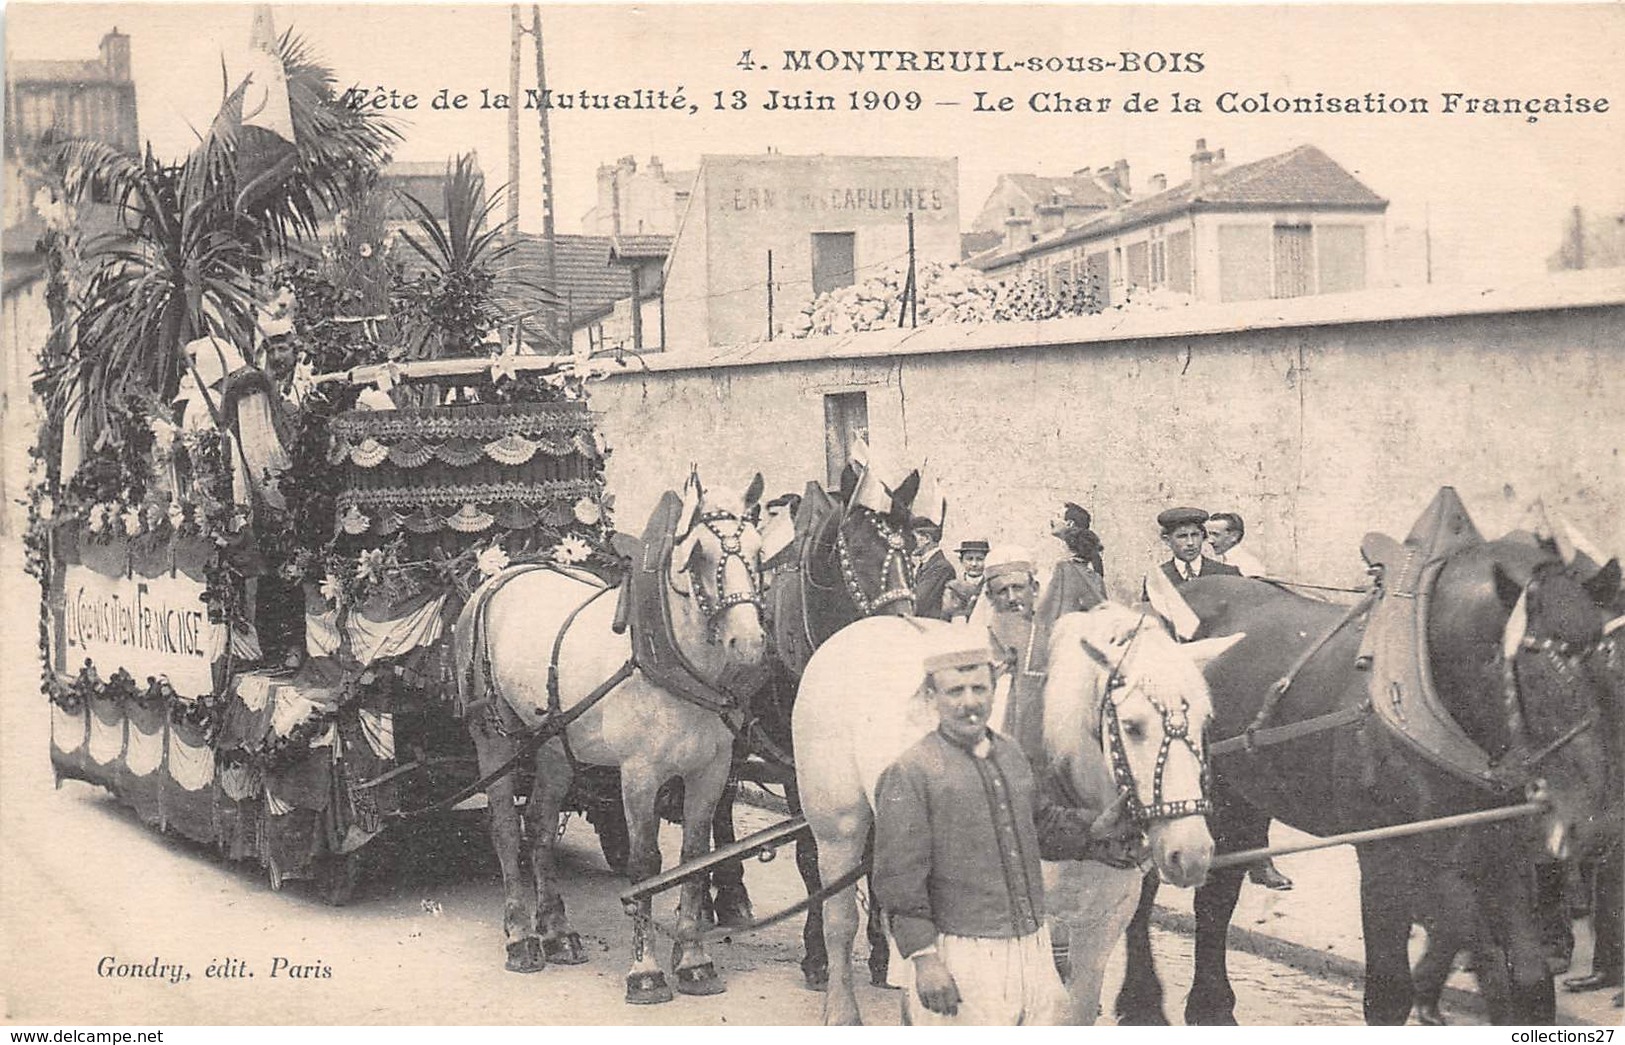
1175	726
732	548
896	555
1567	659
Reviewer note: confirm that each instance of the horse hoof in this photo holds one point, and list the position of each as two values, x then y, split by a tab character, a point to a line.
816	979
731	913
648	988
526	956
1429	1016
1211	1019
564	950
1142	1019
700	980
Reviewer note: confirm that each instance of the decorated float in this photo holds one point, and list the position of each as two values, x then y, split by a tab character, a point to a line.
284	439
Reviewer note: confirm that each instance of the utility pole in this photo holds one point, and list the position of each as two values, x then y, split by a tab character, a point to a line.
770	295
511	230
558	335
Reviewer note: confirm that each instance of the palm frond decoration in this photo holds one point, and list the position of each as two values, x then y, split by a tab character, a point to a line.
196	234
472	274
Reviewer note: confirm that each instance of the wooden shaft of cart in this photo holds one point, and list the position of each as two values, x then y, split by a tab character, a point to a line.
766	838
1381	834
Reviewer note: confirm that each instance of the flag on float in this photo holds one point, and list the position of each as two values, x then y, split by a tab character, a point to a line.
266	149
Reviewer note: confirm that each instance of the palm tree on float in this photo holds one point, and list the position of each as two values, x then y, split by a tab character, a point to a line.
195	234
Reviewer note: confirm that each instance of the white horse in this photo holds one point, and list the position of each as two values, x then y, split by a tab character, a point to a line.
525	624
1119	685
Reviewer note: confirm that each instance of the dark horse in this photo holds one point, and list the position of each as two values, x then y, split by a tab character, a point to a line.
1542	715
848	562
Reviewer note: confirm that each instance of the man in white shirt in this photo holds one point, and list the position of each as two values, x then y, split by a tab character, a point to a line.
1224	533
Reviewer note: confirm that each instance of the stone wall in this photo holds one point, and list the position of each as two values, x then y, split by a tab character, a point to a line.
1315	432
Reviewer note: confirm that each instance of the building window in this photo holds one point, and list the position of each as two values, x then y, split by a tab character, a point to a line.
1294	261
1098	268
1179	262
1139	266
1159	263
1341	254
846	423
833	261
1117	265
1244	262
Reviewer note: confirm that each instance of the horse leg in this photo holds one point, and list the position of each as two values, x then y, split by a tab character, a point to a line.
645	982
1237	826
554	775
1386	923
731	906
1212	1001
1432	969
519	895
1511	905
1139	1000
692	965
815	960
839	853
874	928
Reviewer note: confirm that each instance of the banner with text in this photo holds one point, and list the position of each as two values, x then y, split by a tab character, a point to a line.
146	625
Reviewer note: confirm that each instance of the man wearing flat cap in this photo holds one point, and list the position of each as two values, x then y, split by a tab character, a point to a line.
1184	533
960	828
959	598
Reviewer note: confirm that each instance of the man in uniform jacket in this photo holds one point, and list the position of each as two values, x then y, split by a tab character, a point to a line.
960	828
934	572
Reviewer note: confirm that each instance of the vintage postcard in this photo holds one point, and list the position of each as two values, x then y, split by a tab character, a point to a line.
482	481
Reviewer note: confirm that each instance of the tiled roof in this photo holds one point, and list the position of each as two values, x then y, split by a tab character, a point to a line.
1076	190
971	243
1304	177
583	277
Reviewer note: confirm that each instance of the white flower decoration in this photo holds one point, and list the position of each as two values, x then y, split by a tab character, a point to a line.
572	550
163	436
492	560
369	565
132	521
331	588
177	514
587	512
366	250
98	518
47	508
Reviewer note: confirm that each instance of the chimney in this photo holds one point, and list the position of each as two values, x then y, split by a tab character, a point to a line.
116	55
1107	177
1081	172
1120	177
656	170
629	164
1016	235
1050	215
1201	165
1159	183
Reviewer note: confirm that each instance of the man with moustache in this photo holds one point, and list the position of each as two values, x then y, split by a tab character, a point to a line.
960	828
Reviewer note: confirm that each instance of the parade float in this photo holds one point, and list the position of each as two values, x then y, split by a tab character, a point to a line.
284	439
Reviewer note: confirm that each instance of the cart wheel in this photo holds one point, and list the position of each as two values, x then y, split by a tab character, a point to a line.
337	875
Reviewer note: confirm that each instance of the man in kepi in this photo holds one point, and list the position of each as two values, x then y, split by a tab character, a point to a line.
959	832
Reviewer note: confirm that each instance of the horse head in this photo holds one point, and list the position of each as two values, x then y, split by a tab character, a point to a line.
1562	688
716	565
1125	707
1517	638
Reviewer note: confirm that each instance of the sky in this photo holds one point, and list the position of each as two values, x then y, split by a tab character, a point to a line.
1494	190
